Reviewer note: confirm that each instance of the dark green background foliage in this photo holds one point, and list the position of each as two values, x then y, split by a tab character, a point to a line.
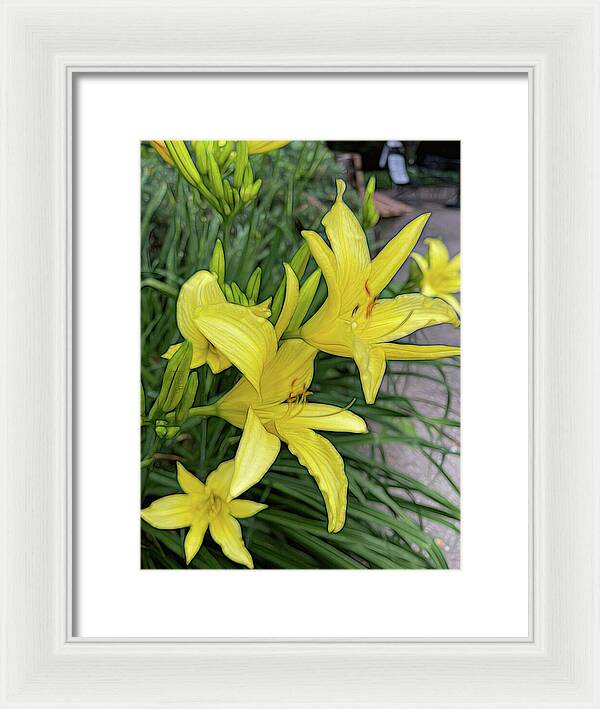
387	508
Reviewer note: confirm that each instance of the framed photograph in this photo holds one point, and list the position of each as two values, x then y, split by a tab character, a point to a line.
300	372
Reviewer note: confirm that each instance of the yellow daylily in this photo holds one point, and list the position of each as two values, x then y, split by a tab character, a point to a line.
280	412
240	328
440	274
203	506
256	147
353	322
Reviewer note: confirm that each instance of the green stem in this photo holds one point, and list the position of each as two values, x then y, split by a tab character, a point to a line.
227	232
208	410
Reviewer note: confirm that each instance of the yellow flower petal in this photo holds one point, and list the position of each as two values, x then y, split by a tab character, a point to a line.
226	531
194	538
454	262
245	508
292	290
233	406
256	147
389	260
201	289
452	301
171	512
200	351
325	259
263	309
321	417
421	262
370	360
216	360
246	339
333	336
256	453
290	371
438	253
171	351
349	245
325	465
419	352
188	482
219	481
393	318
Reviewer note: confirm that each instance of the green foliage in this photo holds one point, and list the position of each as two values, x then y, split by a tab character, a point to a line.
388	509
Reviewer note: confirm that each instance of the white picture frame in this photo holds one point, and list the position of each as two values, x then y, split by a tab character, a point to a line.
46	44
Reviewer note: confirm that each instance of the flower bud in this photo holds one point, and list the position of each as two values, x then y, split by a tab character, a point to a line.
298	262
187	400
180	376
305	300
369	216
253	286
217	262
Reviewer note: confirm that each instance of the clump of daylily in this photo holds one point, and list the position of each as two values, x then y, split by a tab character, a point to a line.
221	171
440	274
273	407
274	351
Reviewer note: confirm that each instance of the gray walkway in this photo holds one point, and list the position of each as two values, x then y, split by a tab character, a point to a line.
445	224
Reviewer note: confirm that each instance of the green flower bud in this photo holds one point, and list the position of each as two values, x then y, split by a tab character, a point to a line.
305	300
187	400
248	180
255	188
228	193
180	376
208	380
227	290
201	156
183	161
241	162
369	215
253	286
298	262
216	181
223	154
238	294
217	262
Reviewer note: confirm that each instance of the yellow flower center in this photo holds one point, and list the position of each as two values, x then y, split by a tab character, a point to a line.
297	395
215	504
362	312
207	503
296	399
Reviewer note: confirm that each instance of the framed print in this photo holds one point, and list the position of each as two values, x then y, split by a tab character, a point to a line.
299	354
505	112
